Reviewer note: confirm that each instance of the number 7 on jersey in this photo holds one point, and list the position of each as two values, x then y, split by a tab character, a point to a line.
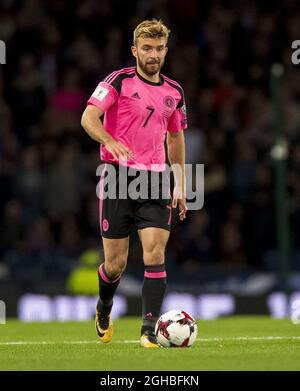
151	109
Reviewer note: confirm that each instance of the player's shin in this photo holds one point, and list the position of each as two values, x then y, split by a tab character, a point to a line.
107	289
153	291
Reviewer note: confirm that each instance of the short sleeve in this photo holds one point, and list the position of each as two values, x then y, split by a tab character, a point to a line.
178	119
103	97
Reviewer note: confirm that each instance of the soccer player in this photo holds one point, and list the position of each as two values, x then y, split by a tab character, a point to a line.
141	107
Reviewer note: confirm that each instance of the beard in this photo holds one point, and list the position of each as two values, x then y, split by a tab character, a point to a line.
150	68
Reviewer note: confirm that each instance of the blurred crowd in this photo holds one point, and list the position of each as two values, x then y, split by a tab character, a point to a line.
221	53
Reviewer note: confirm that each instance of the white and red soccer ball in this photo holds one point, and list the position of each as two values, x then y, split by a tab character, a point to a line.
176	328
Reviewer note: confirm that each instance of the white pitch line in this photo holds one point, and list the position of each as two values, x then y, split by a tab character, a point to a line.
231	339
269	338
47	342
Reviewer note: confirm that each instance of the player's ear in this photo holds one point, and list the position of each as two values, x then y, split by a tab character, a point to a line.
134	51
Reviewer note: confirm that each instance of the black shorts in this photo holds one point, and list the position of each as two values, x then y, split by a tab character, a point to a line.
134	199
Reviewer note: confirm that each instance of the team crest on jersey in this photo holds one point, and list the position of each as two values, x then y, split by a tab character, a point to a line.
169	101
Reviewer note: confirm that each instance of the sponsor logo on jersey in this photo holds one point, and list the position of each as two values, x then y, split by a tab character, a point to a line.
136	95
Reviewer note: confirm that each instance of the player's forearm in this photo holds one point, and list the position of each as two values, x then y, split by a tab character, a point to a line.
94	128
176	154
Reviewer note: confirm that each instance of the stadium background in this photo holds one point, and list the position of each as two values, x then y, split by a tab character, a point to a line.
221	53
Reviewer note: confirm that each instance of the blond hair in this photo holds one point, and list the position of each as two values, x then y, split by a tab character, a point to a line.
151	29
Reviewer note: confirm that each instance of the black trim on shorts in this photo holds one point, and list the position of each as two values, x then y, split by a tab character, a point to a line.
113	236
154	226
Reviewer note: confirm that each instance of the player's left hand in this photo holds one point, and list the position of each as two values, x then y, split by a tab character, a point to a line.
180	201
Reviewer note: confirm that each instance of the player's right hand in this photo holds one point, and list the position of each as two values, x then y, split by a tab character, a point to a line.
118	150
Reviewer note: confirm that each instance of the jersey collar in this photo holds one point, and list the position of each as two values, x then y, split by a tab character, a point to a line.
148	81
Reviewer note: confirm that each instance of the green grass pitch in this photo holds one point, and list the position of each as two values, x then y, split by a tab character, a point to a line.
233	343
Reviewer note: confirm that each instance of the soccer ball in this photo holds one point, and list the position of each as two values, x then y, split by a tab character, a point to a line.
176	328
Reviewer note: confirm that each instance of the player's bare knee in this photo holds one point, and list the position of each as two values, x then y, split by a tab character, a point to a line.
121	267
115	268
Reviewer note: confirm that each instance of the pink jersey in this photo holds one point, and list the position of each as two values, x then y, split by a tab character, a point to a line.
138	113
